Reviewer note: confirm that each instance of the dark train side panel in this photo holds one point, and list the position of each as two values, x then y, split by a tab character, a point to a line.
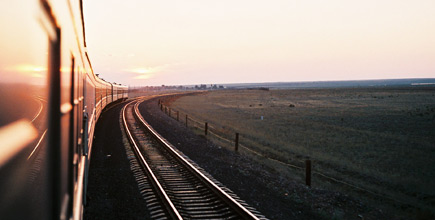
50	100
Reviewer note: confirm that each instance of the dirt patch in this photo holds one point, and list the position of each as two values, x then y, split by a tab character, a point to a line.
274	195
373	143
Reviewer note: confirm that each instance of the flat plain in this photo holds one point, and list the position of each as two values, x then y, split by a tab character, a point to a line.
377	143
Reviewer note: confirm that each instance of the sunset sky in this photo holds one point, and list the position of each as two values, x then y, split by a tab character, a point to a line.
139	42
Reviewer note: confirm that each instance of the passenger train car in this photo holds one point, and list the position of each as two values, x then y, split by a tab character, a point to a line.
50	101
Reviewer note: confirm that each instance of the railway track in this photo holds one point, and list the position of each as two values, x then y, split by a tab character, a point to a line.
180	189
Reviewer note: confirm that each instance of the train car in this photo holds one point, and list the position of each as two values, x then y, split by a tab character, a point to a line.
50	101
119	92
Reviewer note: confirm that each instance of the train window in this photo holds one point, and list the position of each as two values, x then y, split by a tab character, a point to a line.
23	109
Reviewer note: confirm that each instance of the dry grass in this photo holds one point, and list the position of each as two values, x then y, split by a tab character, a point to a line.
381	139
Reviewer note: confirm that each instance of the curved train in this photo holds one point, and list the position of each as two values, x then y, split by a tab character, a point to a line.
50	101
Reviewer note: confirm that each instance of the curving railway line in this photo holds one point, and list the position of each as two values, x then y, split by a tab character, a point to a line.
180	189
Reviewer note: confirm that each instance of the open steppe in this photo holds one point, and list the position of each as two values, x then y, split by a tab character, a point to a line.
376	143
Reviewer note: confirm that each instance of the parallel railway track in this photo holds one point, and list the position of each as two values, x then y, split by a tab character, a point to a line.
184	190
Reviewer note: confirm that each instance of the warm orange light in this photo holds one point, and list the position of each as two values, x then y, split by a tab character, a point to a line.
26	68
29	70
65	69
38	69
144	72
37	75
143	76
141	70
14	137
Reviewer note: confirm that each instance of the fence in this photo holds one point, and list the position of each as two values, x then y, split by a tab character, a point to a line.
224	136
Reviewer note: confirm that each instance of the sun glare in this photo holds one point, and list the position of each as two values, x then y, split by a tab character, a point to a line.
144	72
38	69
143	76
141	70
28	69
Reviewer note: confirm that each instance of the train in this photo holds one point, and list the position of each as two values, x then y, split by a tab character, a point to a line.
50	102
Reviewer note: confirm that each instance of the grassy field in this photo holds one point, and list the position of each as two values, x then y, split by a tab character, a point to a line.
378	139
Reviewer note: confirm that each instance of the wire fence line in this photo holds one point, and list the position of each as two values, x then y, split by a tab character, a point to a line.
197	124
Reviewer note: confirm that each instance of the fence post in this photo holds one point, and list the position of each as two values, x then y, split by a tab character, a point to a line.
178	116
308	172
186	120
206	128
161	107
237	142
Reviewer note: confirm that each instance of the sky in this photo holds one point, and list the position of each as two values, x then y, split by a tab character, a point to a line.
25	60
151	43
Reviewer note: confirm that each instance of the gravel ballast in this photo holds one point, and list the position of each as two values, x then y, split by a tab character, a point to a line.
113	192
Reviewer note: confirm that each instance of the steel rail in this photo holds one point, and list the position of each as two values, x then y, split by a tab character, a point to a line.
170	207
37	145
41	106
239	208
